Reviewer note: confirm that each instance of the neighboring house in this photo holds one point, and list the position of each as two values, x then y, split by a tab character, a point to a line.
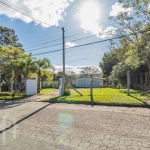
21	81
84	82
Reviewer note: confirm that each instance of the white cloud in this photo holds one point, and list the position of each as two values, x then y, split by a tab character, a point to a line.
70	44
117	8
50	12
76	69
90	20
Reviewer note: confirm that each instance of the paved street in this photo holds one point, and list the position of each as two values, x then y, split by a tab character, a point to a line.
44	126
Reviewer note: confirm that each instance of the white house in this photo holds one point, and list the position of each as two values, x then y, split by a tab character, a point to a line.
85	82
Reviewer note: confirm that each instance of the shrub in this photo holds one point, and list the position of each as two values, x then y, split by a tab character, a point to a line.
55	85
67	92
5	94
13	94
51	84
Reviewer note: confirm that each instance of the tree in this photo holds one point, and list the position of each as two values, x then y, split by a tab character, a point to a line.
132	51
69	77
134	20
90	72
42	65
119	73
46	75
8	38
107	63
28	66
10	63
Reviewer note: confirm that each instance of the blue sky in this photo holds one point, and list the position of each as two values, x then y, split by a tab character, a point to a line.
80	18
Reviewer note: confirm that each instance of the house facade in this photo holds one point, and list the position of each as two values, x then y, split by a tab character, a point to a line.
84	82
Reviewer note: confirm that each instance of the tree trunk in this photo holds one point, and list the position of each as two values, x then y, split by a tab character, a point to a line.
9	87
42	82
146	78
15	82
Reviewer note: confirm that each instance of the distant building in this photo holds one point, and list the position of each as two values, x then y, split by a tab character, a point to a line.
84	82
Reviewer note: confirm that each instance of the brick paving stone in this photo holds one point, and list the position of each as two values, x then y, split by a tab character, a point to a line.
89	128
75	142
93	146
66	142
84	145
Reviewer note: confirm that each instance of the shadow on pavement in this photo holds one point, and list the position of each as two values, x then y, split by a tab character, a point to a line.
15	103
21	120
147	105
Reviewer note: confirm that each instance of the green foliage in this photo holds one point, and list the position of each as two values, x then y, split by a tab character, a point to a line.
129	53
51	84
108	61
67	92
5	94
13	94
55	85
8	38
42	65
10	96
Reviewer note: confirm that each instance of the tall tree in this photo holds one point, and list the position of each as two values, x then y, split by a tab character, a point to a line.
8	38
28	66
90	72
107	63
42	65
10	64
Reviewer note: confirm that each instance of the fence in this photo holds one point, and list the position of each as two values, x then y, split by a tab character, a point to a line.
140	80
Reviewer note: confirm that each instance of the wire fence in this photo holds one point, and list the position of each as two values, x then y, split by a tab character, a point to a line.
140	80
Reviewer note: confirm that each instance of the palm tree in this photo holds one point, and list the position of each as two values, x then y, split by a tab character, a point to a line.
29	66
46	75
42	65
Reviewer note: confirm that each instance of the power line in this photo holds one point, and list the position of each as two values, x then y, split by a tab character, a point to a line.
27	15
67	34
12	5
21	8
44	40
58	44
48	52
43	47
92	43
100	25
43	43
77	54
82	59
70	41
20	14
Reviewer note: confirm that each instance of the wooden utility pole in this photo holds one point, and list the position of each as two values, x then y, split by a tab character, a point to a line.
63	77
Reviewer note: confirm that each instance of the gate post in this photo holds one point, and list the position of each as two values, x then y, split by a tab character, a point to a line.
128	83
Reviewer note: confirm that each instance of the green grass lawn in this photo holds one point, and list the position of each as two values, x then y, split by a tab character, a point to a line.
104	95
8	96
46	91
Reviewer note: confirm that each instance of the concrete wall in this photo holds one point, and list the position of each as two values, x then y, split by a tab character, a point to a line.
85	82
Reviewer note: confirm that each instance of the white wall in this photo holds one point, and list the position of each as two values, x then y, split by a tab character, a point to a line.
31	86
85	82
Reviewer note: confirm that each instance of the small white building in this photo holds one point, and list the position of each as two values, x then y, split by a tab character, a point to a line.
84	82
